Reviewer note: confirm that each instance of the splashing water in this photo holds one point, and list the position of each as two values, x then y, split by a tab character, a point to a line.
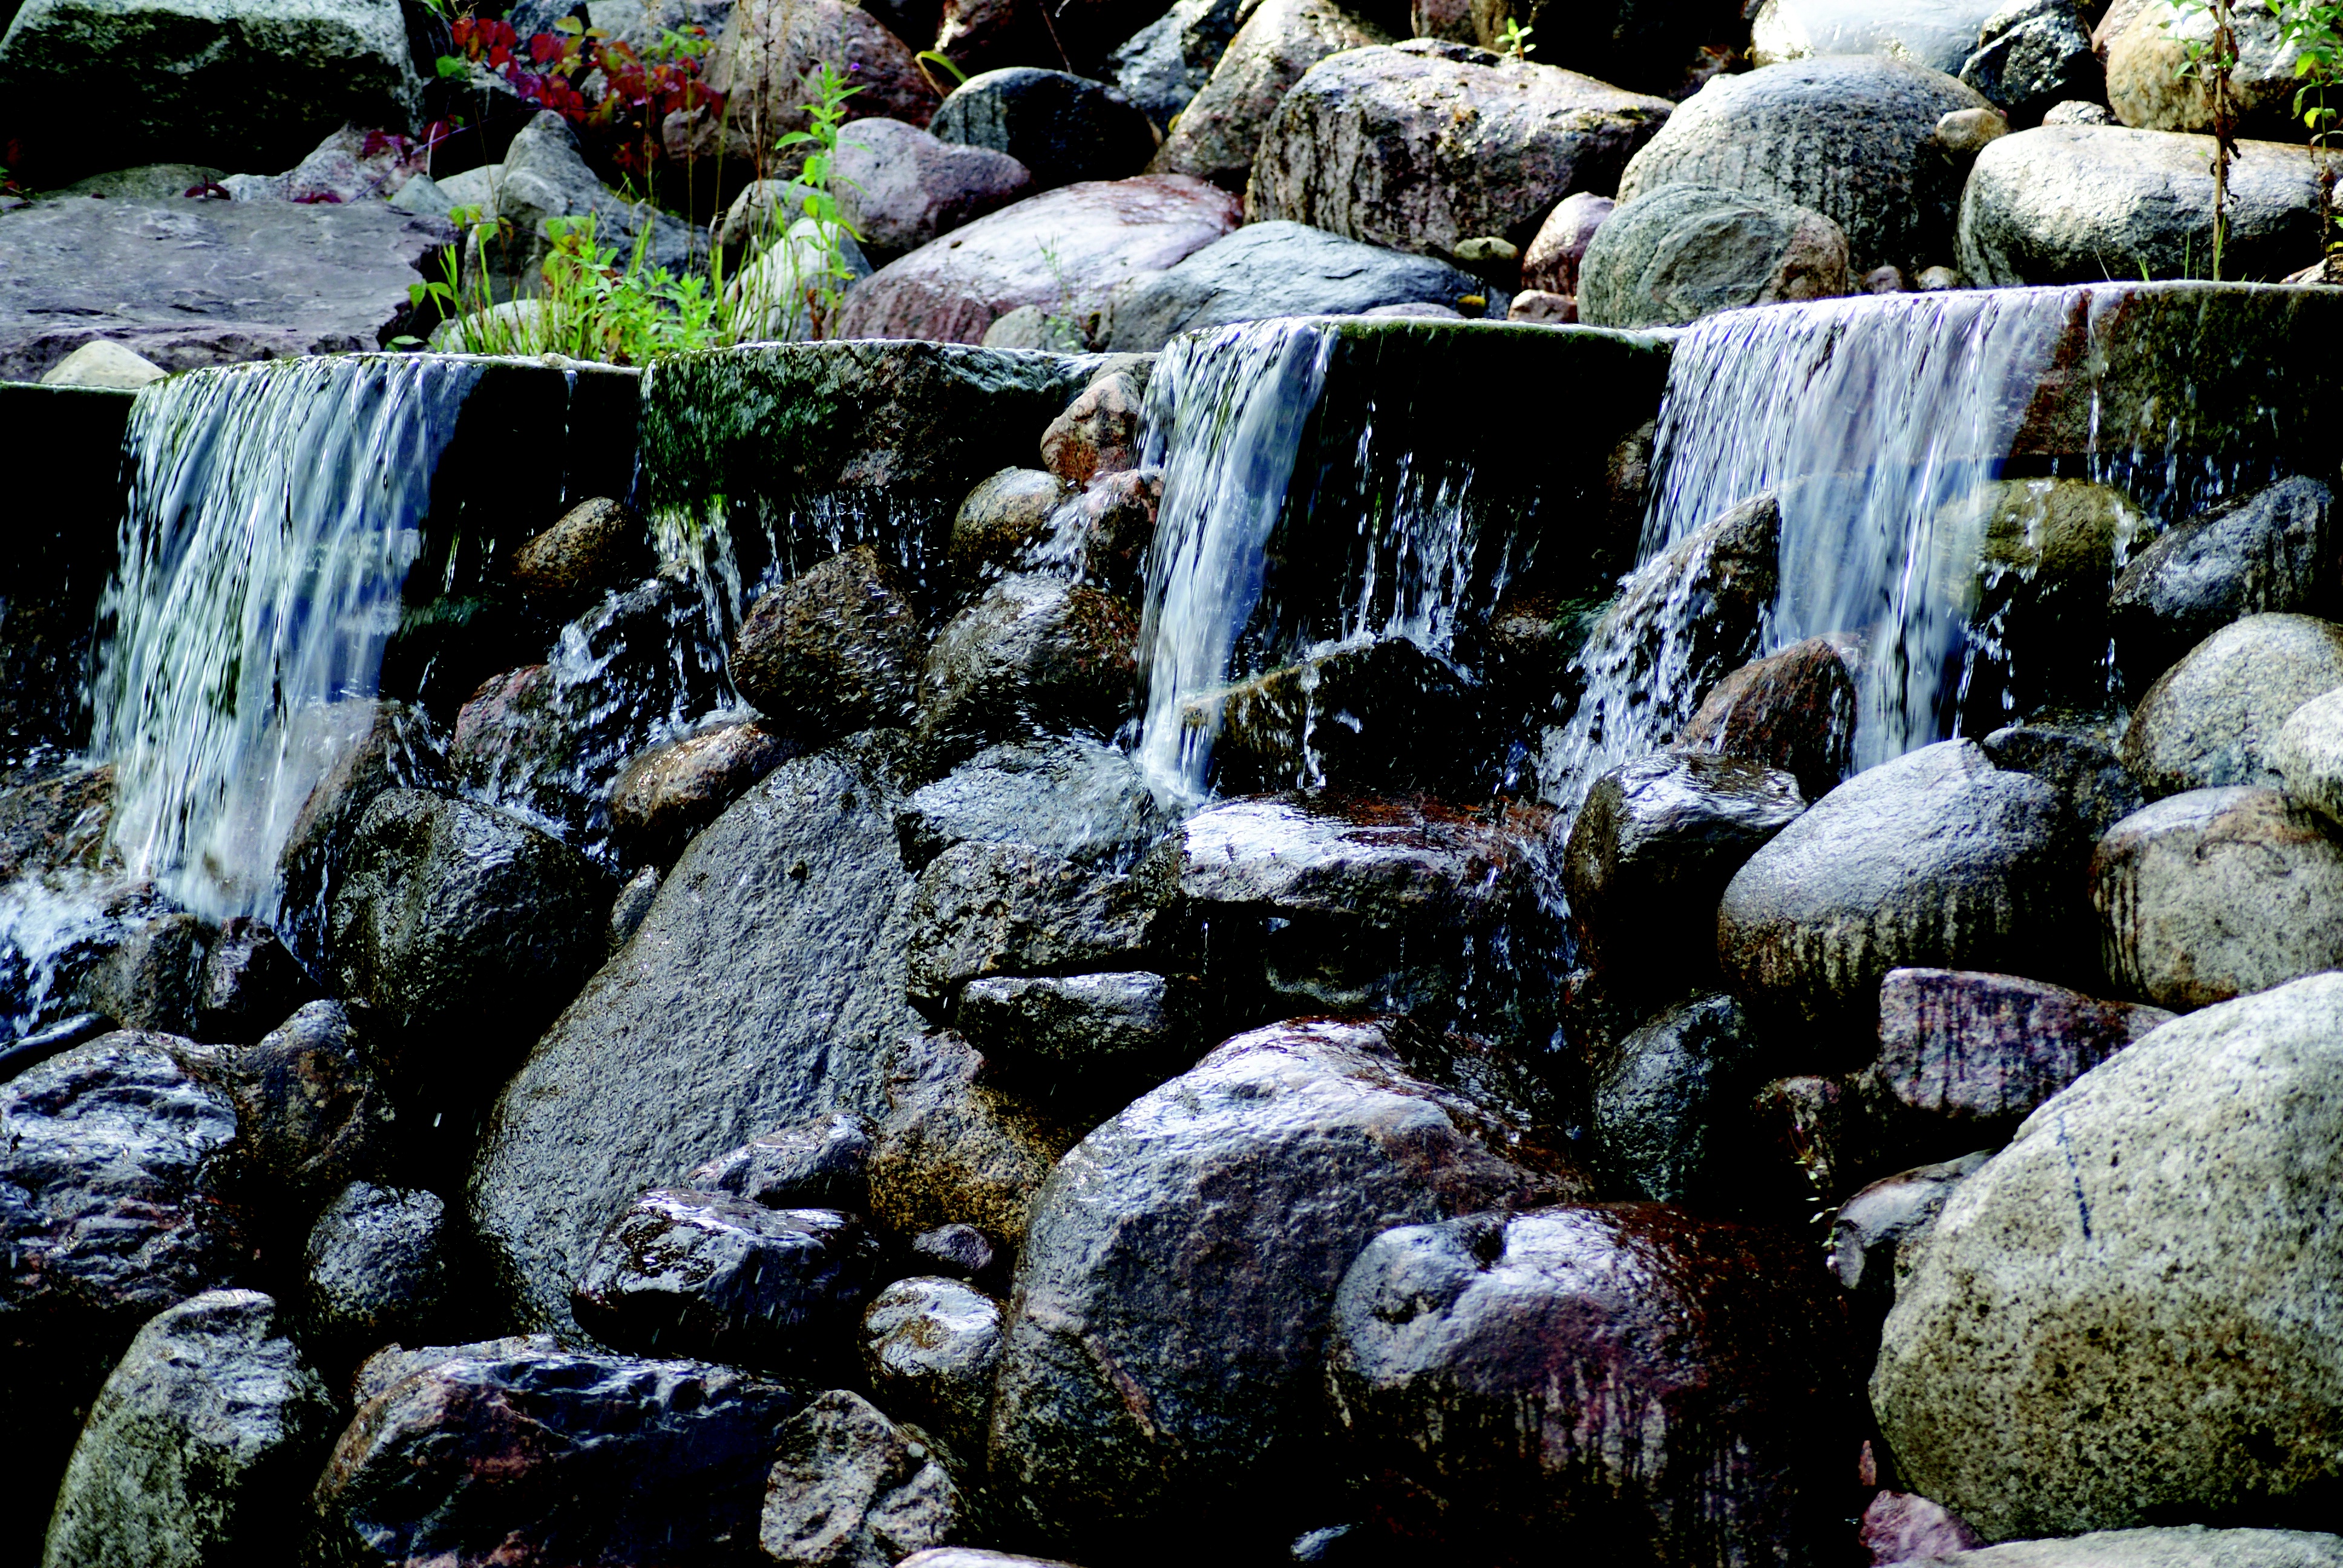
272	520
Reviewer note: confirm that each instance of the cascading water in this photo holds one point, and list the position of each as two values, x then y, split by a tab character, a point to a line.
271	524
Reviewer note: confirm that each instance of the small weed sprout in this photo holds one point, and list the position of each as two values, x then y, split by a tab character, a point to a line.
1513	43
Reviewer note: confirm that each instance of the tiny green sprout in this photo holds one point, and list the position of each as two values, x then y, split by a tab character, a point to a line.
1515	41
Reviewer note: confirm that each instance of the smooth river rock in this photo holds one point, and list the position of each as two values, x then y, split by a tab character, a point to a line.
1062	127
2211	719
1677	254
931	1347
2268	549
2131	1312
1220	130
1277	269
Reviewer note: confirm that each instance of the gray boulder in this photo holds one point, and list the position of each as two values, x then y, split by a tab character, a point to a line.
249	983
1424	145
1062	127
1936	858
312	1112
1004	516
1165	63
1664	1107
2075	204
1078	1025
765	51
898	186
149	981
1276	268
2078	764
2173	1201
1219	133
1681	252
1163	1345
984	910
1073	797
258	81
1374	717
2309	754
849	1489
378	1267
2211	718
763	987
1851	136
2214	893
2173	1546
2032	56
1937	34
2269	550
824	1164
201	1446
833	650
1035	653
1794	711
546	177
931	1347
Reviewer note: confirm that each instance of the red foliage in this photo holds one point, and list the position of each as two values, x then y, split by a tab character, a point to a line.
548	69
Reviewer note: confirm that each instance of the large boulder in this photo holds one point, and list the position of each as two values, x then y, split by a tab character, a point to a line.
2214	893
1219	131
2075	204
1276	268
1683	251
767	48
201	1446
1851	136
2032	56
2154	84
313	1112
898	186
2270	549
764	987
1651	1386
601	1459
1063	251
1362	716
1174	1296
545	177
1936	858
2171	1546
956	1148
984	910
1937	34
1075	796
1062	127
1424	145
2147	1264
1035	655
188	284
2212	718
1163	66
257	81
671	791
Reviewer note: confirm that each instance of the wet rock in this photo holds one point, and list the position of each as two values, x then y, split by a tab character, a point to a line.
1936	859
959	1250
1114	524
1034	654
451	915
2170	1201
2079	766
1065	251
1552	261
908	186
2176	1546
669	793
355	750
199	1447
1897	1527
1811	1141
970	1557
1165	63
1485	1370
49	824
1871	1229
1652	850
1078	1025
850	1489
762	990
2059	203
1964	1057
834	651
1677	254
2149	87
1423	145
1361	718
261	83
2214	893
931	1347
313	1113
1320	904
1073	797
1099	432
1663	1111
596	547
1061	127
1003	518
1851	136
150	980
714	1276
1009	908
634	901
767	48
249	983
1936	36
1218	132
2269	550
956	1150
378	1267
609	1458
819	1165
2211	718
2032	56
2308	755
1794	711
1164	1347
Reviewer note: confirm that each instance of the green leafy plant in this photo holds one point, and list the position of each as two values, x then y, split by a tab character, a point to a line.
2314	29
821	278
597	303
1515	41
2213	62
928	57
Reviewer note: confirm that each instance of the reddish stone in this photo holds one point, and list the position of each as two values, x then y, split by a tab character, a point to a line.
767	47
1795	710
1899	1527
1098	433
672	791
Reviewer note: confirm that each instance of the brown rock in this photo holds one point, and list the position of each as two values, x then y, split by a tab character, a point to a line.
596	545
311	1114
767	47
672	791
834	651
1117	523
1003	518
954	1151
1063	251
1221	129
1547	309
1098	433
1795	710
54	823
1552	260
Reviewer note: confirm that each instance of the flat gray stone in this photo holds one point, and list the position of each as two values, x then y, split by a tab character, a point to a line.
1267	269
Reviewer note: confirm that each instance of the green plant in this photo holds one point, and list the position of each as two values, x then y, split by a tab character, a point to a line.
2314	29
820	280
595	305
1515	41
927	57
2213	62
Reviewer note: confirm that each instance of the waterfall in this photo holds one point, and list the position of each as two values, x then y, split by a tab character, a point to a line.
272	518
1224	417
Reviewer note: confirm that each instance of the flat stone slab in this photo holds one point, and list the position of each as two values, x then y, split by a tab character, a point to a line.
189	283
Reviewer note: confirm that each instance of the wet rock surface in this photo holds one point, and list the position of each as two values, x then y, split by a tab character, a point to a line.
1466	1357
819	1165
1211	1317
1004	516
378	1267
765	49
1035	654
1679	253
2172	1547
849	1489
834	651
2079	765
1664	1106
1360	718
611	1460
2209	720
249	983
1055	1024
314	1111
2169	1203
955	1148
2269	552
1073	797
2032	56
201	1446
1871	1230
985	910
1099	433
1278	268
669	793
931	1347
594	547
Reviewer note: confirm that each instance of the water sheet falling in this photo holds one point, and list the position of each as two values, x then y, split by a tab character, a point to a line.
271	523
